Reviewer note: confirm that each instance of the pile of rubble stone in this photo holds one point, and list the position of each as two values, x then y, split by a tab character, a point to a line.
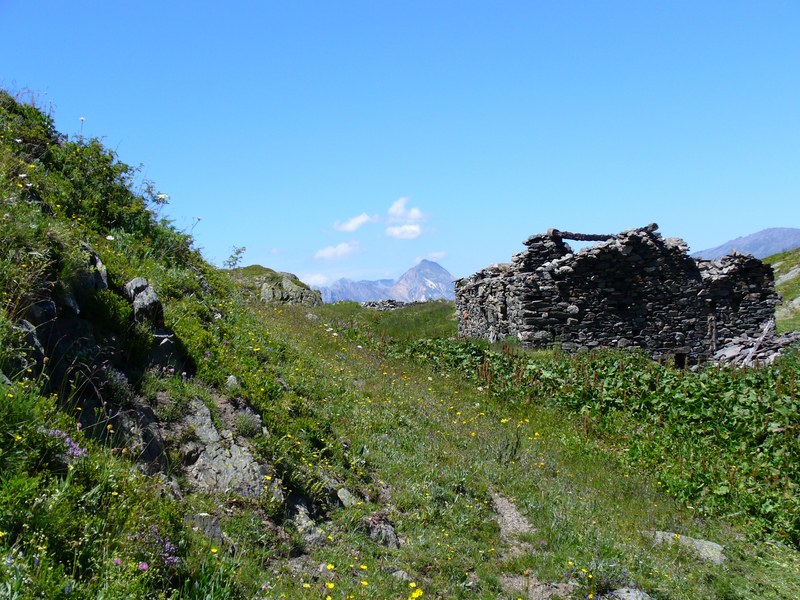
384	305
747	351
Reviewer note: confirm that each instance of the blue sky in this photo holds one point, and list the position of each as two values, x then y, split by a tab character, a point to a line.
353	138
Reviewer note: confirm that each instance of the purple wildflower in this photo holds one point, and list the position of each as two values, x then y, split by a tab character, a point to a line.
152	545
143	566
73	449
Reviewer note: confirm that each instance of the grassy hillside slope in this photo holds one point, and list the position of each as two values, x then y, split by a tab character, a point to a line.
399	462
787	283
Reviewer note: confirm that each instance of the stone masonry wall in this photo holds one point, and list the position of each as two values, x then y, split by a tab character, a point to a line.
631	289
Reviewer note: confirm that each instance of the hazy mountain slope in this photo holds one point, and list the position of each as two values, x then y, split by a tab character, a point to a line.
357	291
426	281
760	244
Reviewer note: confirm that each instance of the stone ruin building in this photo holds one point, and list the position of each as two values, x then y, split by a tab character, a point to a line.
633	289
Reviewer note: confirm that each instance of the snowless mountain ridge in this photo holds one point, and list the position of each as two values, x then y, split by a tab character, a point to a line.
760	244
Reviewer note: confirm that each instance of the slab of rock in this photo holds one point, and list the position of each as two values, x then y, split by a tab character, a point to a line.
346	497
210	526
397	573
147	308
218	463
788	309
533	589
629	594
380	530
286	288
703	549
311	534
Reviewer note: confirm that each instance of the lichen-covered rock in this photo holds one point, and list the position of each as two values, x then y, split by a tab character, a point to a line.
288	290
305	525
380	530
703	549
147	308
276	287
216	462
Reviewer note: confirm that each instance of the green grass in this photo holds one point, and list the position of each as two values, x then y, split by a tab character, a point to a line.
586	500
414	321
783	263
421	428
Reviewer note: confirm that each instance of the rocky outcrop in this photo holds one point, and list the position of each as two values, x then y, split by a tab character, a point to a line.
289	290
703	549
90	279
147	308
207	451
633	289
213	460
276	287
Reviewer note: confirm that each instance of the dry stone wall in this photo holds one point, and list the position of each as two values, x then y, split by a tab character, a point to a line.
635	288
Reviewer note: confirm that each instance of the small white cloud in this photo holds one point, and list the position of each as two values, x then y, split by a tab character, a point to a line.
436	255
354	224
337	251
404	232
315	280
399	213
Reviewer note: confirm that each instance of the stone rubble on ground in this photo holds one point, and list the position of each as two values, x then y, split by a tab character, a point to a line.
746	351
386	305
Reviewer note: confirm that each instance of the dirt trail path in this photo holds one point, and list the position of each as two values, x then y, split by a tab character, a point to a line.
513	524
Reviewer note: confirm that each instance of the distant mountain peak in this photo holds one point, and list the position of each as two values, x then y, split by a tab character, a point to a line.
427	280
760	244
